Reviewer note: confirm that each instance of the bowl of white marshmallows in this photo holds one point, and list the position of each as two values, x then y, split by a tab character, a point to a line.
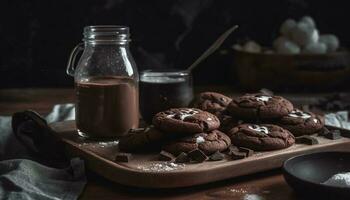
299	57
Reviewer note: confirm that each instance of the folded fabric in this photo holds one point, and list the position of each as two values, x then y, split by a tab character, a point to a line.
338	119
26	179
44	175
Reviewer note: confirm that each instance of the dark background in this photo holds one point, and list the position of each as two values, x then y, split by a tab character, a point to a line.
37	36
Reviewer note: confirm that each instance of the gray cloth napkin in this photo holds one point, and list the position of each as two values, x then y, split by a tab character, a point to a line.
22	178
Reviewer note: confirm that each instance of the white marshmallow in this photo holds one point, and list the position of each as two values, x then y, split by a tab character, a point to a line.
315	48
252	47
278	41
309	21
285	46
269	51
237	47
331	41
302	34
287	27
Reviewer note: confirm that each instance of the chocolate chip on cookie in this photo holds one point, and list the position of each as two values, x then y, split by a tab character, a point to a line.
207	142
212	102
141	139
259	106
261	137
301	123
185	120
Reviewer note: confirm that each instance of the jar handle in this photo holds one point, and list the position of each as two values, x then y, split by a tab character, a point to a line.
70	66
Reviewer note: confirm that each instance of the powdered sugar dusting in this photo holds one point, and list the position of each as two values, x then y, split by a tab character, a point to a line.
183	114
240	190
161	167
340	180
253	197
200	139
105	144
263	98
261	129
299	114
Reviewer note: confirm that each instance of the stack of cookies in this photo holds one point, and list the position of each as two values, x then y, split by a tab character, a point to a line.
183	134
259	121
217	123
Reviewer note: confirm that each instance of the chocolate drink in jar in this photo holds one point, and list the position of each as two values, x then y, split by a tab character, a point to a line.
106	106
106	82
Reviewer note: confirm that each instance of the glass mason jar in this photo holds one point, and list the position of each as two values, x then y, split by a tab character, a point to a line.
106	83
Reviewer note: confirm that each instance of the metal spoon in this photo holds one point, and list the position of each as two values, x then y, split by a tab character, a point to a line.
212	48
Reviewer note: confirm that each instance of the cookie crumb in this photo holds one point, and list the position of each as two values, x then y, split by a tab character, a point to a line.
123	157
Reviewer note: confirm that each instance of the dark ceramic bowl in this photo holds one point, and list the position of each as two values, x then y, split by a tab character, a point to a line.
311	72
306	174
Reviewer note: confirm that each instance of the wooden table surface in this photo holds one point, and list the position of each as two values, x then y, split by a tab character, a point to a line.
270	185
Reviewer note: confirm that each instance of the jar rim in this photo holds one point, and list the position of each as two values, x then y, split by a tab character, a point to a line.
106	33
163	72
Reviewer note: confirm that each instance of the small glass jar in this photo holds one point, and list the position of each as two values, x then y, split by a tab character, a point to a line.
164	89
106	83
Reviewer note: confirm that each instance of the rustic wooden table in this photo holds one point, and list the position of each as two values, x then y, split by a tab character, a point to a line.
270	185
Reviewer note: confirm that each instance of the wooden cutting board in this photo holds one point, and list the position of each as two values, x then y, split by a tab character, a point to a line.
145	171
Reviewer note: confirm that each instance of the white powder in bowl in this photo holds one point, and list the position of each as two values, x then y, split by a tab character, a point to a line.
340	180
253	197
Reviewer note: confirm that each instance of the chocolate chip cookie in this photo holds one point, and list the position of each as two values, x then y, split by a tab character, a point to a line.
301	123
261	137
142	139
212	102
207	142
185	120
259	106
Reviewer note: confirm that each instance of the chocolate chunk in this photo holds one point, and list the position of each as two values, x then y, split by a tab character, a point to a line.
216	156
166	156
248	152
324	131
123	157
345	133
182	158
197	155
306	139
333	135
231	149
236	155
